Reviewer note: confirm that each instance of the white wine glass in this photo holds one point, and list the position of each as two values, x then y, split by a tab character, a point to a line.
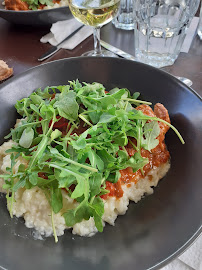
95	13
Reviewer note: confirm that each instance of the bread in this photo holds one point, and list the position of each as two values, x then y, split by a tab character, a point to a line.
5	71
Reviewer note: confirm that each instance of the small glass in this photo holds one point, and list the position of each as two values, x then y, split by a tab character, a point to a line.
160	29
95	13
124	19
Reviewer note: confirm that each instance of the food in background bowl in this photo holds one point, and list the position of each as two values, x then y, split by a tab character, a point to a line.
18	5
79	154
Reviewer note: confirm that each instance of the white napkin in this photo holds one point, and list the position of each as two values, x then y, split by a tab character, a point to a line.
60	30
189	260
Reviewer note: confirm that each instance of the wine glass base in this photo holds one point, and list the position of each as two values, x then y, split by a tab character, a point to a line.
104	53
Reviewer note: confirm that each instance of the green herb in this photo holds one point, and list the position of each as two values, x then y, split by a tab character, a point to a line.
35	4
84	161
151	131
67	105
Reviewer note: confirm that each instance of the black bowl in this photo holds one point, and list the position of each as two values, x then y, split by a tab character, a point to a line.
44	17
154	231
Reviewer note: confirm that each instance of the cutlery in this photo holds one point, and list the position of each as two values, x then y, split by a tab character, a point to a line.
56	48
131	57
116	50
187	81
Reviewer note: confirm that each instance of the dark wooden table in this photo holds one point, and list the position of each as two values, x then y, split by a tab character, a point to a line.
20	47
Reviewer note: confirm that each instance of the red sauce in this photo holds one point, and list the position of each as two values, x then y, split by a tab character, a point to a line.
82	127
42	175
115	190
62	126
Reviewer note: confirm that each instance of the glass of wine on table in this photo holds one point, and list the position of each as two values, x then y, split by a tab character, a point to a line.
95	13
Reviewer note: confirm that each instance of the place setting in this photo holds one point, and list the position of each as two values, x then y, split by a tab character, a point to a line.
101	137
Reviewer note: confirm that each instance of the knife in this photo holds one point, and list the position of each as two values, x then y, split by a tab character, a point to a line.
117	51
56	48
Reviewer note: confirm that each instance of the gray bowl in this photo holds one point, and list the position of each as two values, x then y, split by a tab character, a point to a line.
155	230
44	17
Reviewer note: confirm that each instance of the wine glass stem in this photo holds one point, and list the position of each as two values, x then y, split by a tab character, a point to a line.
96	35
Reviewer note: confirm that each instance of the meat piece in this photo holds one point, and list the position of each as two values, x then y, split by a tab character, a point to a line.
16	5
147	110
161	112
5	71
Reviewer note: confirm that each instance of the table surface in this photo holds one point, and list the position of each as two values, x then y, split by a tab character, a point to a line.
20	48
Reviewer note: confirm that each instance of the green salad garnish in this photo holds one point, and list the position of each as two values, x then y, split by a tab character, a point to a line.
75	136
35	4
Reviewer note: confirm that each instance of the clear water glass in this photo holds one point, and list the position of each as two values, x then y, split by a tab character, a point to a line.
199	30
124	19
160	28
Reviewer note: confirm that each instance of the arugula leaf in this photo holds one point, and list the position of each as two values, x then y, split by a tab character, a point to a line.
71	218
151	131
67	105
56	199
108	159
106	118
79	144
36	99
33	178
95	160
78	214
136	95
114	177
39	152
26	138
95	183
55	134
95	116
97	208
80	188
136	162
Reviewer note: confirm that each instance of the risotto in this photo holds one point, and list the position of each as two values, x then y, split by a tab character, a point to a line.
79	156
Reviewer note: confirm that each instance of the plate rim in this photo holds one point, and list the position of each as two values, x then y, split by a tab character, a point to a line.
14	77
32	11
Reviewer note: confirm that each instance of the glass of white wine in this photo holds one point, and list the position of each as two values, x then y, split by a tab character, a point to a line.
95	13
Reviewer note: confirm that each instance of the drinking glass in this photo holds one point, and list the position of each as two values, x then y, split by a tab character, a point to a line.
95	13
124	19
160	29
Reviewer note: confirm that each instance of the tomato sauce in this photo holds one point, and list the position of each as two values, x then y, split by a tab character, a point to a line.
42	175
115	190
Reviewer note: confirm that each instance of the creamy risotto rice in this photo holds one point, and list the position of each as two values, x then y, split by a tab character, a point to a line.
34	207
